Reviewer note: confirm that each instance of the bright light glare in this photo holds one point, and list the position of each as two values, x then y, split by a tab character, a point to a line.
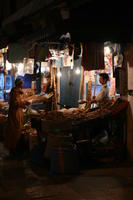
107	50
59	74
47	69
77	71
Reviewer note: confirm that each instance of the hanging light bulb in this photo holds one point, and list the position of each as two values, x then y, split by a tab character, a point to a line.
59	74
77	71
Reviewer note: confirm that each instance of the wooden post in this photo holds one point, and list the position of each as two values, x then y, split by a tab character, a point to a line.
4	56
51	73
94	92
58	89
89	93
55	90
81	82
54	83
82	73
35	87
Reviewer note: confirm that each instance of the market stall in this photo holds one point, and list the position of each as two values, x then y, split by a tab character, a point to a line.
84	125
60	82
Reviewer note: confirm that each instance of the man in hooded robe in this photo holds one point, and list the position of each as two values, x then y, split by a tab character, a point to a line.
15	115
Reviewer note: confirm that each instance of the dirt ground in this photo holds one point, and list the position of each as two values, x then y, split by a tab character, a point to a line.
96	181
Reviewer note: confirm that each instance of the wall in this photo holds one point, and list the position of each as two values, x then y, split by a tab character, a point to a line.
130	110
130	128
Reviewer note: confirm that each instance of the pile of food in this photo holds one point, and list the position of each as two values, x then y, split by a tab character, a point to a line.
27	92
74	114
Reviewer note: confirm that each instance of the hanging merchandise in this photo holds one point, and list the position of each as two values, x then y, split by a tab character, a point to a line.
93	56
16	53
1	59
28	66
58	63
66	38
68	61
45	67
20	69
13	70
118	60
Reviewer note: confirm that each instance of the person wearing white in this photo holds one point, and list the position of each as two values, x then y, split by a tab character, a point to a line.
103	95
101	99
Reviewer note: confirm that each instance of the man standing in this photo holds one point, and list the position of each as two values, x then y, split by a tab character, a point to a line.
15	116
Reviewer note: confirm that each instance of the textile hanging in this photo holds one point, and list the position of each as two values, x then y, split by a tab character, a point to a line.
16	53
67	61
28	66
93	56
58	63
41	53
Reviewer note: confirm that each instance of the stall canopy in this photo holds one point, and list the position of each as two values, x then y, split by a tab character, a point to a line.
86	20
93	56
31	8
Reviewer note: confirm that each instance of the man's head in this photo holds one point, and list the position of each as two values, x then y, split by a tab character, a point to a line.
19	83
104	78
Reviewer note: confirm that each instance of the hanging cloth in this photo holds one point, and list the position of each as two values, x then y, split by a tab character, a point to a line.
16	53
93	56
41	53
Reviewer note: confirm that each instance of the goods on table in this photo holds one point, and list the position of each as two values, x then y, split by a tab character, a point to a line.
28	92
39	98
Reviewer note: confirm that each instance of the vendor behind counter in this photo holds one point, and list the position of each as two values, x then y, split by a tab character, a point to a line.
47	89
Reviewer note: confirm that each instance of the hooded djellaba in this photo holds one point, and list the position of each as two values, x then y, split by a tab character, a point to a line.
15	116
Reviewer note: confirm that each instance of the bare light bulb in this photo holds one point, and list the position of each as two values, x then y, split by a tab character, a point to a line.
77	71
59	74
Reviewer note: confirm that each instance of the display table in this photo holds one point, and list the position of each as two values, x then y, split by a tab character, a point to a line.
39	98
85	125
